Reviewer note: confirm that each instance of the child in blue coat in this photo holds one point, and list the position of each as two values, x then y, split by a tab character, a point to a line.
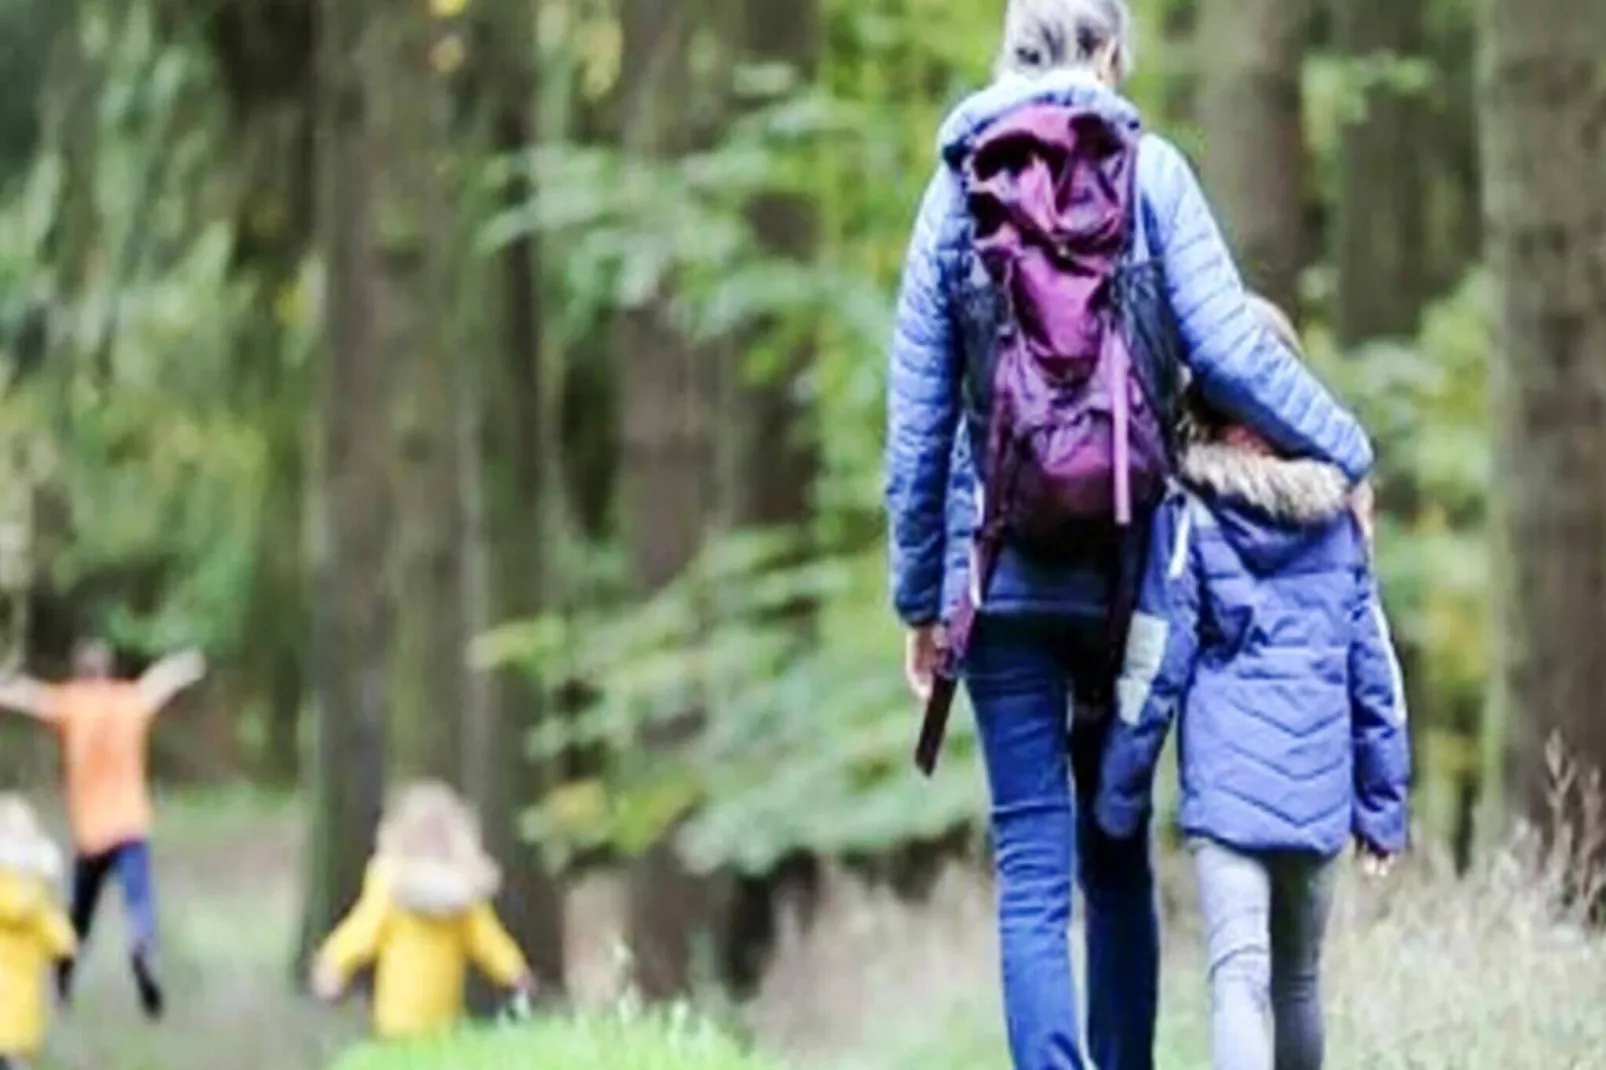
1259	628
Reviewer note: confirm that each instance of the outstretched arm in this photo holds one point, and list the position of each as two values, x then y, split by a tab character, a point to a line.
25	695
163	681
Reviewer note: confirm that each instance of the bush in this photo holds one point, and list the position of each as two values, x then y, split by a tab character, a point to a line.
624	1041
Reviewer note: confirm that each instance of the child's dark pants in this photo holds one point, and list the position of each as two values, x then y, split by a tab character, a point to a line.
131	862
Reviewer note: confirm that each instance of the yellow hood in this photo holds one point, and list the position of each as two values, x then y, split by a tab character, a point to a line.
21	899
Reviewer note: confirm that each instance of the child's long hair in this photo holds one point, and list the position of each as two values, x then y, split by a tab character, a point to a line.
1200	421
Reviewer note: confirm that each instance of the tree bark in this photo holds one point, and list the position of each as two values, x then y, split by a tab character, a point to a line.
352	543
774	443
413	309
1543	107
1251	110
668	479
511	410
1381	220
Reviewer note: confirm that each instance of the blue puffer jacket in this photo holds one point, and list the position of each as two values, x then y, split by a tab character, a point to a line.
1260	621
930	474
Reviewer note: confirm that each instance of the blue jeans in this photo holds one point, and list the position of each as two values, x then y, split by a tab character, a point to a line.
1019	672
132	864
1265	914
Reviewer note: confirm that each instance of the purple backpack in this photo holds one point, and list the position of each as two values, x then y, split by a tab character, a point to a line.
1078	433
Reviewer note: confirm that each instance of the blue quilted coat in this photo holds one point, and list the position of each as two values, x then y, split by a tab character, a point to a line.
1259	628
930	475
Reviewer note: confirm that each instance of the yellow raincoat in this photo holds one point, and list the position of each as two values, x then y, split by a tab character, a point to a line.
34	933
421	924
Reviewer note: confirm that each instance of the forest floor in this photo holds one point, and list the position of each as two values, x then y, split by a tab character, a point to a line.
1427	973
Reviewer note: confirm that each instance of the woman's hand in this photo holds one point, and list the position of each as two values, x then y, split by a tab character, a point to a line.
923	648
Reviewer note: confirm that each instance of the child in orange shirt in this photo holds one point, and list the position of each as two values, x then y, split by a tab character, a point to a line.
103	724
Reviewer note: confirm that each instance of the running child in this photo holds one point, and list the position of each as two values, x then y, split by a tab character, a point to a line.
104	724
423	917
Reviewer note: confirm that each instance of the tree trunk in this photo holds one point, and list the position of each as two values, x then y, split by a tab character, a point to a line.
773	440
353	506
1381	219
668	481
1250	107
413	313
1544	155
510	410
265	60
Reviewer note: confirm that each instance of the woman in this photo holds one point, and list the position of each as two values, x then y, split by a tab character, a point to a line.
1042	627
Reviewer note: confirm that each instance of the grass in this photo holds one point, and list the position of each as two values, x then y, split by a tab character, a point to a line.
1424	973
618	1041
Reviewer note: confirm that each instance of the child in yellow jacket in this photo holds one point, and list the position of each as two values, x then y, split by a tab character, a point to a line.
423	917
34	931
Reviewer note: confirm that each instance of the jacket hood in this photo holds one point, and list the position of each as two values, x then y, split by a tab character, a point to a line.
28	873
971	117
430	850
1269	508
439	888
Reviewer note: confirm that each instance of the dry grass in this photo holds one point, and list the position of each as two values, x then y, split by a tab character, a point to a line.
1425	973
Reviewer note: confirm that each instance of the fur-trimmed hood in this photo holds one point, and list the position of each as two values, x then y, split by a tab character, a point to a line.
1270	510
431	857
30	867
438	889
1298	492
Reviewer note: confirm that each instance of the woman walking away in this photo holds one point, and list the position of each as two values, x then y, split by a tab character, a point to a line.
1046	615
424	915
1260	629
34	932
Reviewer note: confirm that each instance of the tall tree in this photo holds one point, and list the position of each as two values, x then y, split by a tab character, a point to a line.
1544	154
1381	217
353	502
264	58
771	434
413	224
1251	56
507	414
668	481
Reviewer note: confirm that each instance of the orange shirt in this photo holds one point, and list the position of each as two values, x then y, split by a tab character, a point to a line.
103	726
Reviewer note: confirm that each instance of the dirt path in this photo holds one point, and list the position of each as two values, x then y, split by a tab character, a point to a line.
226	886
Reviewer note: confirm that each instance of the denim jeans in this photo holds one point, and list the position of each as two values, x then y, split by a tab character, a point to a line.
1265	915
1019	673
131	862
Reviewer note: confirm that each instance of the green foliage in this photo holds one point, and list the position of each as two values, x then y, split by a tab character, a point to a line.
676	1040
806	742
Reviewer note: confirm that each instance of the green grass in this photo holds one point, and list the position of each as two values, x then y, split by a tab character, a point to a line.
623	1041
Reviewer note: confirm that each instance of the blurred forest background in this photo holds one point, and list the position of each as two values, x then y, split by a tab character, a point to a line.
494	389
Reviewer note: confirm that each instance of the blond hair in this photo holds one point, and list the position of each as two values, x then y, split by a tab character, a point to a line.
24	845
1047	35
429	823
